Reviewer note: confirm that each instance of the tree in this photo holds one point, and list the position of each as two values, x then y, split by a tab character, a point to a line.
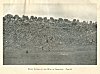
32	18
74	22
7	17
39	19
66	20
45	19
25	18
16	17
60	20
52	19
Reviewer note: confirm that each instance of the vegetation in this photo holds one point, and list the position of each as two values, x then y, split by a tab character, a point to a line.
42	34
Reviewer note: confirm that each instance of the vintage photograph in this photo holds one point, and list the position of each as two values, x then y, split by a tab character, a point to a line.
49	34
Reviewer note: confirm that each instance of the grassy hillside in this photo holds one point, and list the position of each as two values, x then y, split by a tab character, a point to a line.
38	40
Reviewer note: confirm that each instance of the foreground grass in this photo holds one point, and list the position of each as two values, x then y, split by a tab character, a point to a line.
67	56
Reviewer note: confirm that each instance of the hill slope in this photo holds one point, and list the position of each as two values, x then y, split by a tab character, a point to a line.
48	41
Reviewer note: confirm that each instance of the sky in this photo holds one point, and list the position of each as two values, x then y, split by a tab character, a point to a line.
85	12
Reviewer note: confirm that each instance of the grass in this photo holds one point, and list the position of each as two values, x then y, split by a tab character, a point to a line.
71	56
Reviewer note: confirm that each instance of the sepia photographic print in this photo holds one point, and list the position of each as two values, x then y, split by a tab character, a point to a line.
49	34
